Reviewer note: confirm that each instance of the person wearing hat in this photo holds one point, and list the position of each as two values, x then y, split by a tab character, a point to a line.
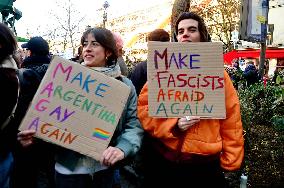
29	168
36	46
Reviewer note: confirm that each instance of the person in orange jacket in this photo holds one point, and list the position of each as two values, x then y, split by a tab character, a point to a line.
189	151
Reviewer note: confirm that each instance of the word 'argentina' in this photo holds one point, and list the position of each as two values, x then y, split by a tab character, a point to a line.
77	100
88	84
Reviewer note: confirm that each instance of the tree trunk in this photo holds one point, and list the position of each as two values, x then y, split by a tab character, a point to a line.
178	7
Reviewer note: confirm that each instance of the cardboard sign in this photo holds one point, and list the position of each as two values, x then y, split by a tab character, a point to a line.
186	79
76	107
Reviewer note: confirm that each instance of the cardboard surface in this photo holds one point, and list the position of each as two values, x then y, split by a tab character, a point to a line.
76	107
186	79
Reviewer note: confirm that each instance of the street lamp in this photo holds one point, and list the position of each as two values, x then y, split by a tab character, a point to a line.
235	37
105	6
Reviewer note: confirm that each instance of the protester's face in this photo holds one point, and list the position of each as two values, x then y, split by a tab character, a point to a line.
94	53
28	53
188	31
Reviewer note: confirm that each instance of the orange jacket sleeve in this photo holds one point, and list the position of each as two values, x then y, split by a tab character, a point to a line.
161	128
231	129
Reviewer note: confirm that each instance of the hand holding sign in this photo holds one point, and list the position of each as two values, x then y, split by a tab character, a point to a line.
111	155
26	137
186	122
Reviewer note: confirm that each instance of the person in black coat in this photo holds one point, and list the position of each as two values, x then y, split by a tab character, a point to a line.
139	74
34	166
139	78
251	74
8	100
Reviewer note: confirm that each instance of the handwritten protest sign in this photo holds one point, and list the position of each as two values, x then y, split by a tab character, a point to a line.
76	107
186	79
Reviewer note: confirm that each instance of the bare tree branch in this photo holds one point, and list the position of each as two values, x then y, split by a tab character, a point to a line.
221	17
68	24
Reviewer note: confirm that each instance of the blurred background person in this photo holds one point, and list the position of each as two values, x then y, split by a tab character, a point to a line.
120	60
19	57
139	74
237	74
278	70
139	78
78	56
251	74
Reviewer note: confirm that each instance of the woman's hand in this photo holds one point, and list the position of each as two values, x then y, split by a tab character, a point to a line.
186	122
26	137
111	155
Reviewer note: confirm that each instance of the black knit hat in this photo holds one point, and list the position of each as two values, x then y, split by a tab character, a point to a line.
37	45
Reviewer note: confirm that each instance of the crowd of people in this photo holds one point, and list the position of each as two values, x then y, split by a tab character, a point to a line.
176	155
250	74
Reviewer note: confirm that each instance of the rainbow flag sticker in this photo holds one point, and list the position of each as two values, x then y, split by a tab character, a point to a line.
101	134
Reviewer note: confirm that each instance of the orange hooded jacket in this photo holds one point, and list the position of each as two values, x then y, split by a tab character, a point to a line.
208	137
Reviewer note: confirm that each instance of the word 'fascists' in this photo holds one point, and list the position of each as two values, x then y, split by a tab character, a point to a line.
187	80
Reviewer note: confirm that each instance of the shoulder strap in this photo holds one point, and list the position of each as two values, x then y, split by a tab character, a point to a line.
6	122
